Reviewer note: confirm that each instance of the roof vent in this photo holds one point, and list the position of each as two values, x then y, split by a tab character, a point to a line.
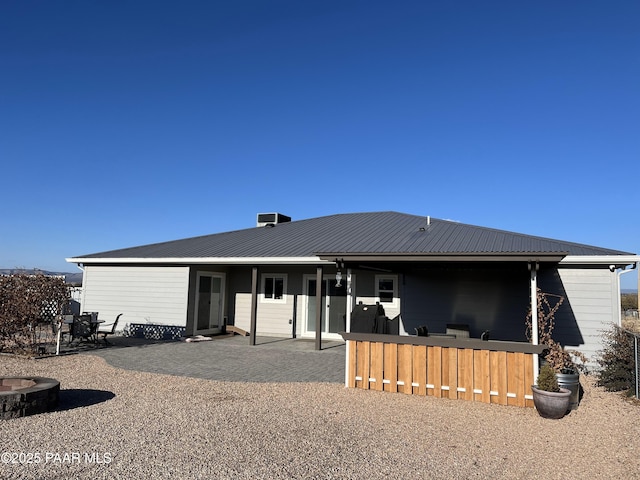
271	219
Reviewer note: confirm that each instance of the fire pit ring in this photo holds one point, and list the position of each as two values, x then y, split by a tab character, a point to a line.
22	396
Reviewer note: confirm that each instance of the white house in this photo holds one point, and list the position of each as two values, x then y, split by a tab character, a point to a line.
302	278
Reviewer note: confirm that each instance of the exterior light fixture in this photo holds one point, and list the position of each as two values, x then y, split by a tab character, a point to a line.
340	265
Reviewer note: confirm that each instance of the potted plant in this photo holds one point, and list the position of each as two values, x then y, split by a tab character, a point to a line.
562	362
550	400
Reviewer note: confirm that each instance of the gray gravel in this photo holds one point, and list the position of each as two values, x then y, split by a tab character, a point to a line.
146	425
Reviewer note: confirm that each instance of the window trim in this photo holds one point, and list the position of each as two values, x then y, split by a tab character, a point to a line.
394	278
263	284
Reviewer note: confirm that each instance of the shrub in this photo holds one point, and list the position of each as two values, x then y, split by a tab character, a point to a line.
561	360
547	379
616	361
25	302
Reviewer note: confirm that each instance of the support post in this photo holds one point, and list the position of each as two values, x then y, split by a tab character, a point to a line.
347	374
535	340
254	305
319	308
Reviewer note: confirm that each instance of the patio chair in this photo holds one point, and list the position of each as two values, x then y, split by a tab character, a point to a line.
422	331
108	329
81	328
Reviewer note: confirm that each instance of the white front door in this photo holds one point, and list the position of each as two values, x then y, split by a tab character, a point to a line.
209	303
334	307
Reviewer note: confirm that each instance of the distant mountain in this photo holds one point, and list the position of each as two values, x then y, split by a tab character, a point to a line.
627	290
70	278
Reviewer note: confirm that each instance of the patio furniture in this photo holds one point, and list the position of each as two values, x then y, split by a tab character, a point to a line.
422	331
81	328
108	329
460	330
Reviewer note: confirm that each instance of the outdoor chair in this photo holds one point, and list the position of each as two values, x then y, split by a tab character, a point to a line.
422	331
81	328
108	329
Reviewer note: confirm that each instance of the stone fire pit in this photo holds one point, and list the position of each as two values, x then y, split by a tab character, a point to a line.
21	396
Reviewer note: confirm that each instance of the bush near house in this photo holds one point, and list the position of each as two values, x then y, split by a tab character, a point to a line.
617	361
25	302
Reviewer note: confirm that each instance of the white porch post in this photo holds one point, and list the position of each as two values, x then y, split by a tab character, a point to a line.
319	308
533	267
348	327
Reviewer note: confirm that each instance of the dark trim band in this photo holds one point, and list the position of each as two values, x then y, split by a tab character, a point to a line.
435	341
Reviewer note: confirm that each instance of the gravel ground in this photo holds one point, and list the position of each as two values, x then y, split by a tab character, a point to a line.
113	424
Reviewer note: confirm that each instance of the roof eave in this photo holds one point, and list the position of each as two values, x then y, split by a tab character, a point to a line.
617	260
445	257
201	260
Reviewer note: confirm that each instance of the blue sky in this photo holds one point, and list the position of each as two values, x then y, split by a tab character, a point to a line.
124	123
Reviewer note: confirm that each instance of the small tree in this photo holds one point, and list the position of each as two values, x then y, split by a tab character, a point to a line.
547	379
616	360
557	357
25	302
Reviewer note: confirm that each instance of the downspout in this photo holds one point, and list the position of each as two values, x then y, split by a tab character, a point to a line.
620	273
84	275
348	328
535	340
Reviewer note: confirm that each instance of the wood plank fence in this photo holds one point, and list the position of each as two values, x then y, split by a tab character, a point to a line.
457	369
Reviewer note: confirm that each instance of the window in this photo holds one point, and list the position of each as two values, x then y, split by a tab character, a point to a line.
273	287
386	288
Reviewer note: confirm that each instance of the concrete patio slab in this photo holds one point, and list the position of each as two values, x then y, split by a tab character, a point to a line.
230	358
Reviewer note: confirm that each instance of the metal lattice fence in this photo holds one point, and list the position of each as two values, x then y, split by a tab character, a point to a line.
154	332
636	363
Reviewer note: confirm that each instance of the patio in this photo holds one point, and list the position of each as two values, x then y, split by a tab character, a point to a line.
230	358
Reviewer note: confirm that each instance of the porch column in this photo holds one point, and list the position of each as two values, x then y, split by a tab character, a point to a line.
254	305
319	308
348	328
533	267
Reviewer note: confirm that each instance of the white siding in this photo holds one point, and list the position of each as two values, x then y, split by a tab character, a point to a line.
272	320
153	295
242	310
592	295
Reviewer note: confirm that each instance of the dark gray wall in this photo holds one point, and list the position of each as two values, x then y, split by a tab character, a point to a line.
489	298
566	331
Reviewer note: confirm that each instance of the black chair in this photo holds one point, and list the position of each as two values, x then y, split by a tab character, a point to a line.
108	329
422	331
81	328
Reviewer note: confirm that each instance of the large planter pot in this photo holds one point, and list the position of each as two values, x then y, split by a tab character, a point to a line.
551	404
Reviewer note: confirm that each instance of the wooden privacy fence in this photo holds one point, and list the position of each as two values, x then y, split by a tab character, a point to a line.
468	369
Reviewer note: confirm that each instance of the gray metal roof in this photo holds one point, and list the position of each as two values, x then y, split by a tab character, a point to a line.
375	233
